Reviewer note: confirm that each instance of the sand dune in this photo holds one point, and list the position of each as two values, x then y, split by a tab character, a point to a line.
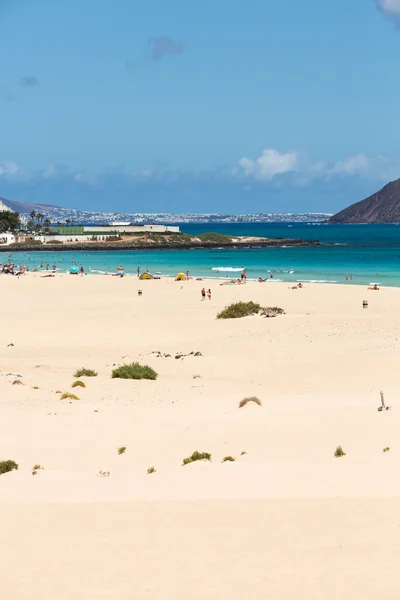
286	519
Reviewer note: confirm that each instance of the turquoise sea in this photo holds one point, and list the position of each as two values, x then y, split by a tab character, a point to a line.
370	253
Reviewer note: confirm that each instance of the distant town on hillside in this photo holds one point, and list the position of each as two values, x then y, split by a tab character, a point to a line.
57	214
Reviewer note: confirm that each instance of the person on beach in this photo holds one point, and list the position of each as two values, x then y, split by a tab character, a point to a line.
138	272
54	267
243	275
82	271
187	275
203	294
209	294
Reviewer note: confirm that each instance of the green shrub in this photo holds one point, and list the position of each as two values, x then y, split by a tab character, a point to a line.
17	382
68	396
228	459
150	470
237	310
250	399
196	456
78	384
85	373
386	449
214	238
134	371
7	465
339	452
36	468
121	450
243	452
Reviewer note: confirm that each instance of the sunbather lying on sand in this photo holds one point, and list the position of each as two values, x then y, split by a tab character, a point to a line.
374	287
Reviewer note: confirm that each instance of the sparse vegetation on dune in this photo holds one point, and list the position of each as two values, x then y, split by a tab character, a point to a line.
7	465
85	373
121	450
150	470
17	382
36	468
254	399
386	449
134	371
68	396
339	452
196	456
243	452
228	459
237	310
78	384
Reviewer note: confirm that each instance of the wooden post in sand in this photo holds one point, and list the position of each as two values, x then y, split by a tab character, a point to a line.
383	407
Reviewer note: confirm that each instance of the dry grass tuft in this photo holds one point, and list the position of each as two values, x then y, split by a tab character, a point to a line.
68	396
250	399
196	456
79	384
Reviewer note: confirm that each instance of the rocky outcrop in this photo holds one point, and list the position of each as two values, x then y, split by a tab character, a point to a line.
381	207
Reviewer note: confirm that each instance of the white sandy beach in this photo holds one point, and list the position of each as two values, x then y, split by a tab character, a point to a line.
285	520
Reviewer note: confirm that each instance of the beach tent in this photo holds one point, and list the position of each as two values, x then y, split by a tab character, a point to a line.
146	276
73	270
180	277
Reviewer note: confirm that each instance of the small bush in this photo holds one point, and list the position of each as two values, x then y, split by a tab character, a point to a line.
386	449
58	391
196	456
68	396
35	387
150	470
237	310
196	376
243	452
85	373
134	371
339	452
17	382
7	465
250	399
36	468
121	450
228	459
78	384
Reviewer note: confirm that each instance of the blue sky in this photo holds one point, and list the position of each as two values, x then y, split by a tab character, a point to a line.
182	105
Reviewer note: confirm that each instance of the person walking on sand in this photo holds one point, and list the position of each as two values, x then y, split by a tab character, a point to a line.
203	294
138	272
209	294
187	275
82	271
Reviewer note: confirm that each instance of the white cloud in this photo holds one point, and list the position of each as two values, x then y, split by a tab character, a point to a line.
391	8
377	167
8	167
270	164
303	172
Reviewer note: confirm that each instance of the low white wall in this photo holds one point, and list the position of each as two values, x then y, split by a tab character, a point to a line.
7	238
133	228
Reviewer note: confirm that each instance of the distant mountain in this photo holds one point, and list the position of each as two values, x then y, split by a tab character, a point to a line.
381	207
25	207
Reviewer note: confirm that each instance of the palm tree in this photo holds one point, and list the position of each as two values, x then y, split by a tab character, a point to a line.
32	215
67	222
30	224
47	223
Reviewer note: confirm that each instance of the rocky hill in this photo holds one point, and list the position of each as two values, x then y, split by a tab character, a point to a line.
381	207
23	207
